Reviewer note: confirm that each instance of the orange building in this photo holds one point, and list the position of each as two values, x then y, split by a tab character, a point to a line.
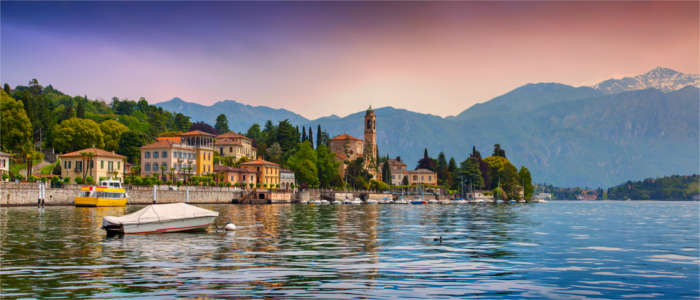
235	176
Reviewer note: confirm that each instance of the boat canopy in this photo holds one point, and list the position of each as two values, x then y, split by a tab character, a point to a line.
162	213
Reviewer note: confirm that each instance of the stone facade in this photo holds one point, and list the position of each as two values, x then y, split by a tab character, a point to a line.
95	162
234	145
420	176
4	163
349	148
287	179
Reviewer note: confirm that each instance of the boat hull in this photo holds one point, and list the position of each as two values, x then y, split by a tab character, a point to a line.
99	202
189	224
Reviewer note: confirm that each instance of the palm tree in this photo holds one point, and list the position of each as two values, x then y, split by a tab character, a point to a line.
87	158
162	172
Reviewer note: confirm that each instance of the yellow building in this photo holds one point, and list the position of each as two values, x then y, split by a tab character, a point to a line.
234	145
93	162
204	147
268	172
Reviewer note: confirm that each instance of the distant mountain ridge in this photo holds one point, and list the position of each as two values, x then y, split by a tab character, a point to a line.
663	79
566	136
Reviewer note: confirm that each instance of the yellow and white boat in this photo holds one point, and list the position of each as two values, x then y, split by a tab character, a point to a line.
107	193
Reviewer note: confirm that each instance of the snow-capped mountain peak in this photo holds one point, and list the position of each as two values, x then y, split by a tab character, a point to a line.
664	79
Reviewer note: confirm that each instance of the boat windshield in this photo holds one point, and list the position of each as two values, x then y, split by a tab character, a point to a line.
84	193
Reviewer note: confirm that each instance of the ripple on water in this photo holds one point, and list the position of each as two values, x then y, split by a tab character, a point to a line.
558	250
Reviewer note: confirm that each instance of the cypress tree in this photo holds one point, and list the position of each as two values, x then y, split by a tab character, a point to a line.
311	137
303	134
318	136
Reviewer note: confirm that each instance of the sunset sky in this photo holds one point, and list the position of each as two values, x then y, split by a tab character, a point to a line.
318	59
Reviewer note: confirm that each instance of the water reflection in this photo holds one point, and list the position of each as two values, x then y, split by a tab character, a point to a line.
349	251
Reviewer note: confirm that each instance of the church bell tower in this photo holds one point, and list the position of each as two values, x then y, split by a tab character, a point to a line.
370	142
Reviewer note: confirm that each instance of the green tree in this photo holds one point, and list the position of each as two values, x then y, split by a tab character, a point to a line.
471	173
525	180
274	153
443	174
497	151
328	167
76	133
304	164
454	173
426	162
129	143
112	131
221	124
15	127
311	136
386	172
287	137
182	122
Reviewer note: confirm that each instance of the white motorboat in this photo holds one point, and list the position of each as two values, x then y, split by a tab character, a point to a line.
372	201
357	201
325	202
461	201
160	218
432	201
445	201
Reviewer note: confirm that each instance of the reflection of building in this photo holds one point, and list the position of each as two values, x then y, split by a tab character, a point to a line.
287	181
268	173
232	144
348	148
4	162
191	153
235	176
95	162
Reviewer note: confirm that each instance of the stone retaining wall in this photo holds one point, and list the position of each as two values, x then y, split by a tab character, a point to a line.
26	194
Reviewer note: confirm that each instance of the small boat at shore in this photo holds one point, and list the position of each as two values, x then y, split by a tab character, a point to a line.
161	218
107	193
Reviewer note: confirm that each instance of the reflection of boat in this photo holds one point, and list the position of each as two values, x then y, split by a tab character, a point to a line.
159	218
107	193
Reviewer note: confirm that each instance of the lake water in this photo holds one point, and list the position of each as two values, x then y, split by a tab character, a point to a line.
547	250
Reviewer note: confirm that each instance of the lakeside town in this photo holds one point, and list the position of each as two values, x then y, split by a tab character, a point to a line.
277	159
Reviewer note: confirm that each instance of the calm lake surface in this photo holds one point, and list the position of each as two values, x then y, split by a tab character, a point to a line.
548	250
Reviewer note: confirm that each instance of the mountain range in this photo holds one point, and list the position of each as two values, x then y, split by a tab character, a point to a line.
598	136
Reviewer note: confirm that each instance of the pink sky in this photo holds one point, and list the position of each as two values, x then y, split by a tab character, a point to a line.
318	59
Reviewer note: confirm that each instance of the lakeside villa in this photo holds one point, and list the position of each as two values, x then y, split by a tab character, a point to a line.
93	162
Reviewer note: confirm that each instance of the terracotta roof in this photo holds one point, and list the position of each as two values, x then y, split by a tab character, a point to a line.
195	132
230	169
231	135
158	144
396	162
345	136
423	171
175	139
341	156
96	151
259	162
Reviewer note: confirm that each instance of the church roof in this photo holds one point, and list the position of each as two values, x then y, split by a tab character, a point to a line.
344	137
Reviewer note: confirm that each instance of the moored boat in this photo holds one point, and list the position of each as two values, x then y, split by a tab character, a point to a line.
107	193
161	218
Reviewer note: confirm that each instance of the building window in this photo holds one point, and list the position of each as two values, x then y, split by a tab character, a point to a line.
119	165
221	150
415	177
147	154
147	167
110	165
430	178
155	154
230	149
422	178
69	163
164	154
102	164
